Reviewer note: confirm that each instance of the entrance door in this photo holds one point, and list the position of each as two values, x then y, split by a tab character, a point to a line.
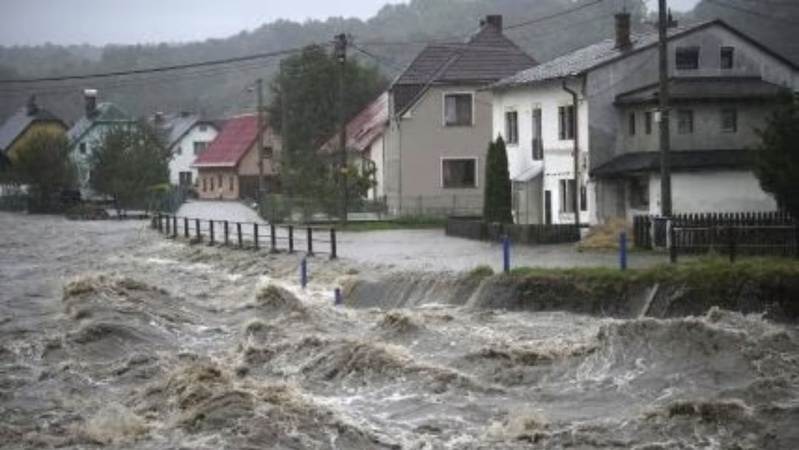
548	207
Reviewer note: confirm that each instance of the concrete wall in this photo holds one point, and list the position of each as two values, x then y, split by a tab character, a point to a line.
417	143
716	191
183	152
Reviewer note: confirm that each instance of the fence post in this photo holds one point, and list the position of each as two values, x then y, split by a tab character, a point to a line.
310	241
505	254
333	247
731	243
160	223
255	234
175	226
212	237
238	231
304	273
291	238
672	242
272	238
186	227
623	250
227	232
167	230
197	229
337	297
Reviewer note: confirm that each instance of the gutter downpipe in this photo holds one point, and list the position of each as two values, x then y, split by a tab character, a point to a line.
576	151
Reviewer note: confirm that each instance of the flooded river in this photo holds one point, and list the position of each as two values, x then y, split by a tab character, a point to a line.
113	337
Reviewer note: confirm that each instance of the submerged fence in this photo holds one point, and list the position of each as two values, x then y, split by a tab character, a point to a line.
250	235
733	234
477	229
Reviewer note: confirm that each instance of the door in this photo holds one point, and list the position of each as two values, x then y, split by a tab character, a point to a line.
548	207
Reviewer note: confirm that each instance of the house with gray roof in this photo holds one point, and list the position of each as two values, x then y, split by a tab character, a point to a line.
28	120
440	122
582	129
186	135
89	131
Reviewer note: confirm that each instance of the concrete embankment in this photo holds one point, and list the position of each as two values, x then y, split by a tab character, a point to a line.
770	289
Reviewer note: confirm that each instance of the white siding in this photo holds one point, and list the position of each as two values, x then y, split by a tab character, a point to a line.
182	162
716	191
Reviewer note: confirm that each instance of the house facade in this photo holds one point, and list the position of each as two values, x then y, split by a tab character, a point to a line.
89	131
228	169
186	135
721	83
26	122
440	123
366	142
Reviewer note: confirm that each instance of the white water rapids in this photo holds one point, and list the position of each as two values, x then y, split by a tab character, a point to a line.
113	337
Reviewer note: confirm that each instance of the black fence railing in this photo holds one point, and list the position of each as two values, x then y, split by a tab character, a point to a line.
249	235
476	228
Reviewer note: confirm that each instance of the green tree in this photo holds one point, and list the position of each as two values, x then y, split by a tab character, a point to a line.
129	165
43	163
497	202
305	109
777	161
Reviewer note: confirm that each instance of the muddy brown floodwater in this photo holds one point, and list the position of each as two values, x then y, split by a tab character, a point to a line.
113	337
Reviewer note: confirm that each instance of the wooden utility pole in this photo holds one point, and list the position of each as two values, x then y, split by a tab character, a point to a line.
341	55
259	87
665	143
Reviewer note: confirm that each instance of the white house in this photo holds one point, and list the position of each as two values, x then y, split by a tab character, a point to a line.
187	135
722	83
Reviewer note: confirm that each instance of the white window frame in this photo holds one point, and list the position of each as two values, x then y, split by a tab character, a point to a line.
444	95
516	127
476	171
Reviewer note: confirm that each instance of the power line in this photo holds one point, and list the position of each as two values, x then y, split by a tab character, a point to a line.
158	69
553	16
742	9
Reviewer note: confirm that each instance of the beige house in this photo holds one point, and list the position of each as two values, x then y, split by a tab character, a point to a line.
228	168
440	123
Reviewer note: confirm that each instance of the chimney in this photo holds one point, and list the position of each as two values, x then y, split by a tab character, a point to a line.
90	97
158	119
32	107
623	31
495	20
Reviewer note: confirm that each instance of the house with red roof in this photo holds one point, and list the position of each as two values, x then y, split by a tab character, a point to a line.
366	143
228	168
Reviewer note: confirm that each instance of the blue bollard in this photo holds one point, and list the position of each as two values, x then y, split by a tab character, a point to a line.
623	250
304	273
337	297
506	254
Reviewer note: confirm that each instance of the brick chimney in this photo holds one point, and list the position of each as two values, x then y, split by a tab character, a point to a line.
623	41
495	20
90	98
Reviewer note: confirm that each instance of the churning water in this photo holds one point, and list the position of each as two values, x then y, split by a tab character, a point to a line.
111	336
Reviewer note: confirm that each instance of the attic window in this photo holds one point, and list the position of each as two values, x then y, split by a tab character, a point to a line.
457	109
687	58
727	57
203	127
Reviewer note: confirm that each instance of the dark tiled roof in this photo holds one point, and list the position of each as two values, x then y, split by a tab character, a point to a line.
486	57
231	144
20	121
175	126
705	88
686	160
593	56
364	128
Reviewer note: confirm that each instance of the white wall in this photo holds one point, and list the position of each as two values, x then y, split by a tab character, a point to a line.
558	161
376	154
716	191
182	162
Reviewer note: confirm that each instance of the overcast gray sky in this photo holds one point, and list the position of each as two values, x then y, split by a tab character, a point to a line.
31	22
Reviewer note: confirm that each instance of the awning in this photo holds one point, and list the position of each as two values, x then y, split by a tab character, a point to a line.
681	161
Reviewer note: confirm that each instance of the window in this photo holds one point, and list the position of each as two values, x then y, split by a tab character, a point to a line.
82	148
199	147
459	173
512	127
230	184
211	179
727	57
638	193
648	122
203	127
204	190
219	177
583	198
268	153
457	109
685	121
184	178
567	196
687	58
538	143
631	124
178	150
566	122
729	120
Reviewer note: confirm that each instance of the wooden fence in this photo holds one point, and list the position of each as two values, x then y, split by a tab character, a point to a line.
766	234
249	235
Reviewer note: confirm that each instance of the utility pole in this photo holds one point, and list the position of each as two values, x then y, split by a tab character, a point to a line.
665	143
576	152
259	87
341	55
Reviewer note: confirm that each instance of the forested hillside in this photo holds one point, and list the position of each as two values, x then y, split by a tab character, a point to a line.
390	40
